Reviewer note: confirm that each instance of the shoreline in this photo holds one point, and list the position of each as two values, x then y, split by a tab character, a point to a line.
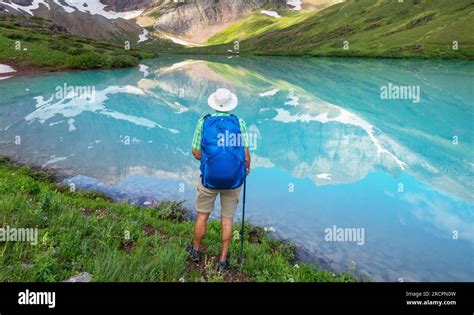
59	175
25	72
32	71
256	235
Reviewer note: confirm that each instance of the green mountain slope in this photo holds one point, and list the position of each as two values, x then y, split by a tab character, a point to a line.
257	24
372	28
29	43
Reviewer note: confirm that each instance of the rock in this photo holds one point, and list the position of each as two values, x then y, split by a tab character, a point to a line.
82	277
76	265
58	28
129	5
22	2
25	266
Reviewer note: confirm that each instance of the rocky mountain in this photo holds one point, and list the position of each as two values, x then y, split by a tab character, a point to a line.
116	20
87	18
119	20
198	20
129	5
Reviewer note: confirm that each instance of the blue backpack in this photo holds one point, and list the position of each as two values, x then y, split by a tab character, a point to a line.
223	156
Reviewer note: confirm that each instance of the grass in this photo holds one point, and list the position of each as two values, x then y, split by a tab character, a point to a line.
423	29
84	231
256	24
30	43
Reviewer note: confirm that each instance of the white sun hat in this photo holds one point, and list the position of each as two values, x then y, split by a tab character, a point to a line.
222	100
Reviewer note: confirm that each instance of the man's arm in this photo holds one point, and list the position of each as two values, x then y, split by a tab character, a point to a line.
247	160
243	130
196	145
197	154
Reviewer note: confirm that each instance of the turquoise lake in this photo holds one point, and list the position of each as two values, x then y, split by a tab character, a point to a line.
329	151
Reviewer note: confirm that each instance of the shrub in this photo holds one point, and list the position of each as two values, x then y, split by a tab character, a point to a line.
15	36
77	51
9	26
58	45
94	194
123	61
172	211
87	61
41	175
5	162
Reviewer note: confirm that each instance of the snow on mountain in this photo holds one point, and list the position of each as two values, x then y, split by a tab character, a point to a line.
296	4
33	6
96	7
86	6
271	13
144	36
6	69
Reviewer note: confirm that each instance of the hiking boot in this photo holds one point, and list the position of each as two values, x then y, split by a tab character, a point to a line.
223	266
194	254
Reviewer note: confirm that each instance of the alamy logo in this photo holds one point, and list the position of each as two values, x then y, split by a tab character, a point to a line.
336	234
231	139
11	234
400	92
37	298
84	92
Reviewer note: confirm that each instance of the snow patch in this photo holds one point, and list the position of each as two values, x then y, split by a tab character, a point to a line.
271	13
96	7
6	69
70	123
324	176
181	108
28	9
86	6
269	93
66	8
144	68
143	37
296	4
295	101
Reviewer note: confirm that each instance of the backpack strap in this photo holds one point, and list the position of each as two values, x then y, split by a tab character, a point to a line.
237	118
204	120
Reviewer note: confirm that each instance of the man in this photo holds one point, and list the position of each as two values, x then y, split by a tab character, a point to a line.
221	144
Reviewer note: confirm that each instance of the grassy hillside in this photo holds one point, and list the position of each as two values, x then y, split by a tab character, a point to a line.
372	28
87	232
44	46
257	24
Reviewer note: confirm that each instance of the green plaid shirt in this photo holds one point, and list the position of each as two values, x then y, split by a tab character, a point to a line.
198	132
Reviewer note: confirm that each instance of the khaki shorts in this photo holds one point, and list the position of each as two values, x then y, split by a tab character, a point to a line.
206	198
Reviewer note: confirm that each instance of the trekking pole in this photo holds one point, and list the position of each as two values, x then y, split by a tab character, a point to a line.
243	220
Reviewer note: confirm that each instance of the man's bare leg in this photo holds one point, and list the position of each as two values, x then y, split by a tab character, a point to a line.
226	236
200	228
